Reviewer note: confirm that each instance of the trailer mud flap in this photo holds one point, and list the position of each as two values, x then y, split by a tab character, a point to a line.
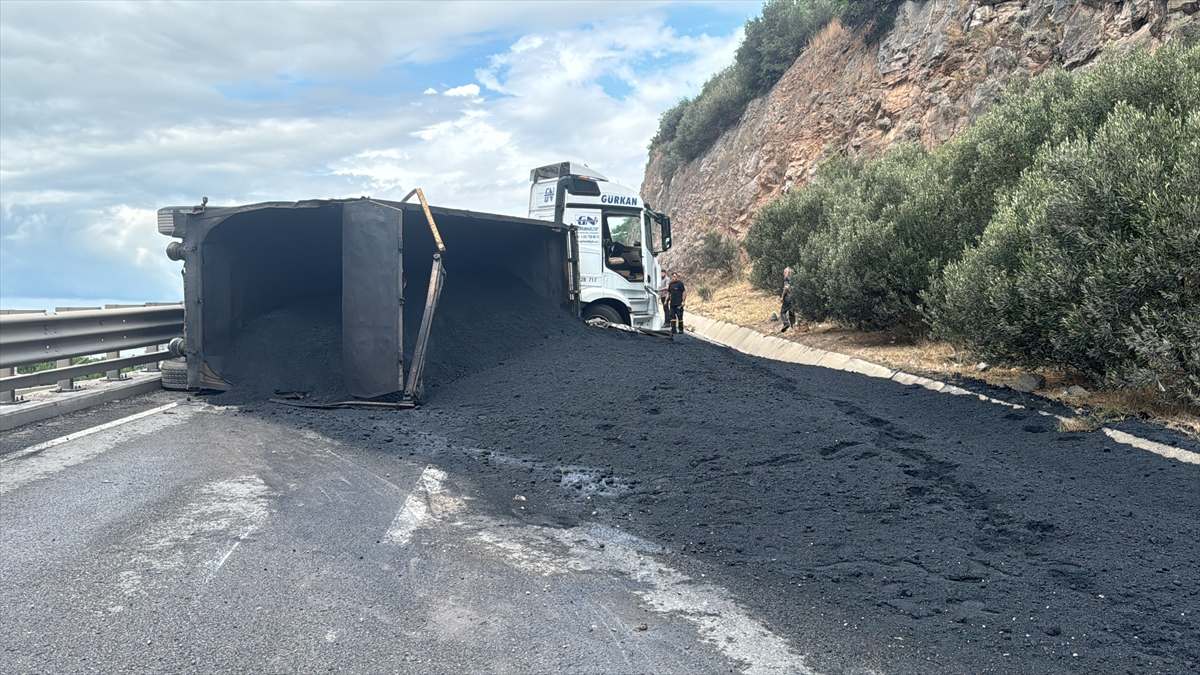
372	299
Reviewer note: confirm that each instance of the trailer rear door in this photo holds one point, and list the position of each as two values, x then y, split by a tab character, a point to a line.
372	299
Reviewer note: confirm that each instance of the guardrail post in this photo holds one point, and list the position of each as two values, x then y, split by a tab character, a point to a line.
10	396
113	374
67	384
153	366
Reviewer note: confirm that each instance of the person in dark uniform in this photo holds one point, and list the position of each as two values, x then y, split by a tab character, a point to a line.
785	303
676	295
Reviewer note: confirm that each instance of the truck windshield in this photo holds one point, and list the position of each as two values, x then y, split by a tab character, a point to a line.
625	230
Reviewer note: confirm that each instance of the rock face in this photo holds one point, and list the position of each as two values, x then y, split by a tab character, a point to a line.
940	66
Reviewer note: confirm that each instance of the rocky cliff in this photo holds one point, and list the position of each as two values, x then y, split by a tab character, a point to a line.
939	67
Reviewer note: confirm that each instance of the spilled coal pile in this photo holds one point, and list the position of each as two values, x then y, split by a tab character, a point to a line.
880	528
482	318
297	347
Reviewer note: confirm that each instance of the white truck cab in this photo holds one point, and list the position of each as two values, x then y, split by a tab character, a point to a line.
619	237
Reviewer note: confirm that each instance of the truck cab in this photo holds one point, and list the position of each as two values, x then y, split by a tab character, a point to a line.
619	235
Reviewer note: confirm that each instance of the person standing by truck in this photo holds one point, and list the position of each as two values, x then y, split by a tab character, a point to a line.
677	296
663	283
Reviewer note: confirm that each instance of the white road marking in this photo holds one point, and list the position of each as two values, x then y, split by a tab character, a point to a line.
34	449
548	551
718	618
50	457
215	565
416	509
1169	451
225	557
223	510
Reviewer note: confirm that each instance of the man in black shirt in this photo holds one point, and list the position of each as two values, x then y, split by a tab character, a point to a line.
676	295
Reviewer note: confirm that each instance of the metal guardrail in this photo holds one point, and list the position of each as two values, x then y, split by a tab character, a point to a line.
28	338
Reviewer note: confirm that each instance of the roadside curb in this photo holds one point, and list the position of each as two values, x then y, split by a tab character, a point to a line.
752	342
13	416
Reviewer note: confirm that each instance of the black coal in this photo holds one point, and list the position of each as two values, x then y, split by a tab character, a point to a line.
881	528
480	320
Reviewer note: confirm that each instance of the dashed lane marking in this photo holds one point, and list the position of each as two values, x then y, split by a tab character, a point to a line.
416	509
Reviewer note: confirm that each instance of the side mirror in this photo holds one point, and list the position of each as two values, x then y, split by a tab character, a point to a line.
665	222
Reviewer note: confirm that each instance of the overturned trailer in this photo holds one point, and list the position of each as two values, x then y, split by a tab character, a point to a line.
370	256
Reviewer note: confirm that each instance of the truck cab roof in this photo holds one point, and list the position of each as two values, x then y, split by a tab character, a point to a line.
553	171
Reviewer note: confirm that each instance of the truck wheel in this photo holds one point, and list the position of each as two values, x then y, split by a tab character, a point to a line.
174	374
604	312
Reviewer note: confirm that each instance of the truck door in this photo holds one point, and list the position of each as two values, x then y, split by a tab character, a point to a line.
591	265
372	299
649	257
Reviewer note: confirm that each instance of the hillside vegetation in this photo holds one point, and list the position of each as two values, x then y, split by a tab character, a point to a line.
770	45
1062	228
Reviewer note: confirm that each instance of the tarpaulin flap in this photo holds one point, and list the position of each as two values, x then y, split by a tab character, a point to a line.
372	299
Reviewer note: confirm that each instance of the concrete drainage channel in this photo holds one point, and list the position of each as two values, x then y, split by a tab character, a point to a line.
752	342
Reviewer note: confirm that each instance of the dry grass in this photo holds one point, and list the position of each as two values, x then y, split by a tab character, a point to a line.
735	301
732	301
1078	424
832	31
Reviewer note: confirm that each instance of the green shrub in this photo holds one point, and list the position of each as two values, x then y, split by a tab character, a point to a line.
866	238
877	16
863	239
876	265
50	365
668	123
1093	262
773	41
717	253
718	107
986	160
783	231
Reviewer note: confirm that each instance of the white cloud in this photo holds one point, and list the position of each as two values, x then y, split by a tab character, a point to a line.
465	90
113	110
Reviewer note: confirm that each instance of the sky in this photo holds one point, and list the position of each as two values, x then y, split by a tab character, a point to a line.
109	111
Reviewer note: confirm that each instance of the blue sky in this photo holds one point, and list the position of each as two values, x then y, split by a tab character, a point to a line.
111	110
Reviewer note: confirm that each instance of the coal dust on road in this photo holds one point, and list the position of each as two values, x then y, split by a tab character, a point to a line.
873	525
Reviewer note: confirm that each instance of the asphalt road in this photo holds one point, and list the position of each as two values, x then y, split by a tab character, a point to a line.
197	539
608	504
